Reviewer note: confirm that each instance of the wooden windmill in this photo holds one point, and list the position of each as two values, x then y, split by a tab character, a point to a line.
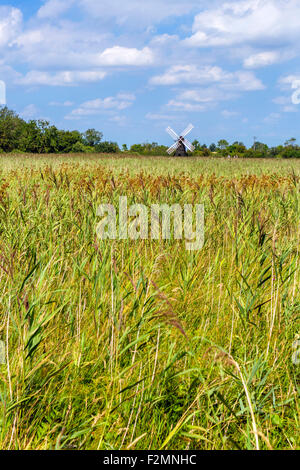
181	143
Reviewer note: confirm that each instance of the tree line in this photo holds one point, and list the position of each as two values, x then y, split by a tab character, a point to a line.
39	136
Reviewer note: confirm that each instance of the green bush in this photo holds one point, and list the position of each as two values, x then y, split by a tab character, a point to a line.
79	147
107	147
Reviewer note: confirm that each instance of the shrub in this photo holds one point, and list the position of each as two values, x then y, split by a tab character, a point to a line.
81	148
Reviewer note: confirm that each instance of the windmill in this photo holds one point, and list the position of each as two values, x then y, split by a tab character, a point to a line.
181	144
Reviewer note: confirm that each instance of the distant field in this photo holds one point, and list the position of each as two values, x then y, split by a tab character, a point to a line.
157	165
143	344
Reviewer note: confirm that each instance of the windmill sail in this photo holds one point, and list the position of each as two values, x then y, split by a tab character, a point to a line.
187	130
172	148
188	144
172	133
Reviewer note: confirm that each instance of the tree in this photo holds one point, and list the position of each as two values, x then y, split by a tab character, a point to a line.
290	142
68	139
79	147
196	144
260	149
107	147
236	148
223	144
92	137
11	129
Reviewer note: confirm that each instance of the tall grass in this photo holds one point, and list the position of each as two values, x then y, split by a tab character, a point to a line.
142	344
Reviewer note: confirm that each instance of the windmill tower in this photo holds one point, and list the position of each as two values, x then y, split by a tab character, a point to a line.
181	143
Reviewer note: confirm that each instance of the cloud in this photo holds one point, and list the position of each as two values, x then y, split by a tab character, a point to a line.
137	14
189	74
228	114
8	74
54	8
10	24
271	118
57	103
69	45
120	120
185	106
192	74
199	100
164	39
247	21
65	78
205	95
292	80
290	109
286	103
66	45
99	105
262	59
192	100
244	81
214	85
281	100
161	117
119	56
29	111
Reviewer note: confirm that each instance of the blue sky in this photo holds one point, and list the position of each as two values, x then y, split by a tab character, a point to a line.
132	68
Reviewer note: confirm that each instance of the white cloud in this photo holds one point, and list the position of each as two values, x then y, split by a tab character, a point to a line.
251	21
29	111
73	46
292	80
217	85
120	120
262	59
186	106
202	99
190	74
10	24
54	8
228	114
119	56
99	105
193	74
205	95
271	118
281	100
138	13
35	77
160	117
164	39
66	45
290	109
126	96
244	81
8	74
57	103
286	103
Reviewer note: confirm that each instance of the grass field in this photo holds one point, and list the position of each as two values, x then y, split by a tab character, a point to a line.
143	344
